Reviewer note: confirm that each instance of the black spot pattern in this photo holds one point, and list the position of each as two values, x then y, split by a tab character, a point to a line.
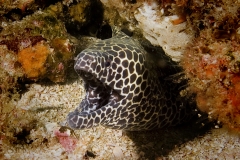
123	90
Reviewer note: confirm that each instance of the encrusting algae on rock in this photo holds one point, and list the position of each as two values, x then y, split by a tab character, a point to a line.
212	62
43	47
214	75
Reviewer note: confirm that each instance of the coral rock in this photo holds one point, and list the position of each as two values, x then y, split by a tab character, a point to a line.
213	71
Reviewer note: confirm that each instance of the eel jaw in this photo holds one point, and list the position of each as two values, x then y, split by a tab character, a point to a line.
97	93
99	99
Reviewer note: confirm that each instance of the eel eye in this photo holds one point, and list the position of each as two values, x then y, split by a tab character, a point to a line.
89	61
107	63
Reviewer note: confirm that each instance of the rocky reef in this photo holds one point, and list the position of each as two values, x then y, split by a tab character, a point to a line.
211	61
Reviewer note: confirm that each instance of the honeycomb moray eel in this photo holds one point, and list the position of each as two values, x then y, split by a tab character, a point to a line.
126	87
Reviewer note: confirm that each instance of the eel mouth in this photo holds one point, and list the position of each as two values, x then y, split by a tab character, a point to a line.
99	98
98	94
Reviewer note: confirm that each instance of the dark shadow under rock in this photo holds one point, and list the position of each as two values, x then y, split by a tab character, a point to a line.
159	143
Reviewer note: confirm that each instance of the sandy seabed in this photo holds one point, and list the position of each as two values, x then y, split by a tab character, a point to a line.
51	103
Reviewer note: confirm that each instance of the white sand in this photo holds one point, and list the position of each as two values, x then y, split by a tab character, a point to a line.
50	105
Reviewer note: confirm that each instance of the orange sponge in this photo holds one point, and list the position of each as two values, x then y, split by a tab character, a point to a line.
33	59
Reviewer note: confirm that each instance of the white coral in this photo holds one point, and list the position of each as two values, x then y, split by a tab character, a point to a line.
160	31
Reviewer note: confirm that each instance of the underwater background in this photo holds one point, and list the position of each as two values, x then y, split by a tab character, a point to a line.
39	40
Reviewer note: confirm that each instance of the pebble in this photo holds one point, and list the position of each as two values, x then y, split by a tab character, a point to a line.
118	152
